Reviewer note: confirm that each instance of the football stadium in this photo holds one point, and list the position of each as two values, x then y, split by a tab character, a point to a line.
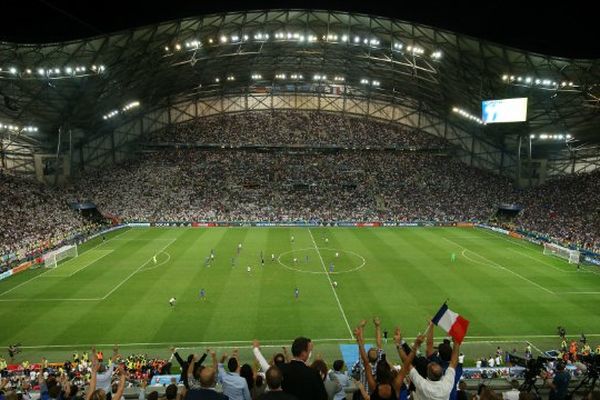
297	204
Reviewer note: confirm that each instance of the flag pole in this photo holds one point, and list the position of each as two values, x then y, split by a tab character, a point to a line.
429	326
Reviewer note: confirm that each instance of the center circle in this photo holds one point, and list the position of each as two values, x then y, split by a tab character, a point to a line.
310	261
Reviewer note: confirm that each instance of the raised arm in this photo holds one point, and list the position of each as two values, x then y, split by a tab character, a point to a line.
177	357
213	356
378	340
92	387
122	381
398	342
286	354
115	355
41	380
65	386
264	365
358	333
363	391
407	365
190	370
201	360
142	395
429	344
455	353
94	354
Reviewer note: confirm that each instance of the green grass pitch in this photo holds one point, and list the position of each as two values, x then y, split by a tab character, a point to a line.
115	293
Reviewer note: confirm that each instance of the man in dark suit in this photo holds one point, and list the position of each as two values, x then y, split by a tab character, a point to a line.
185	364
274	379
208	380
299	379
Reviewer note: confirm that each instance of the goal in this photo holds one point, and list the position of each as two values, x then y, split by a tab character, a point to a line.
51	259
551	249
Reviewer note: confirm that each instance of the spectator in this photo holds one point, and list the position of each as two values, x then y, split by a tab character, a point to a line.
384	384
234	386
207	379
512	394
338	375
331	387
259	387
374	355
298	379
438	384
185	364
559	384
94	393
247	373
274	378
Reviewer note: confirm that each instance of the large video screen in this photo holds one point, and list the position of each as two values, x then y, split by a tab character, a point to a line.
504	110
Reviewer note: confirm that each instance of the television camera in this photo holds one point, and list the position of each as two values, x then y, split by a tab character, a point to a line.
591	375
533	369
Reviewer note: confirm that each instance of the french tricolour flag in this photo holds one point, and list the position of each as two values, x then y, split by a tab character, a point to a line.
451	322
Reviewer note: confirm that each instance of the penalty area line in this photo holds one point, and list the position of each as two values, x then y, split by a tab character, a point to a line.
503	267
139	268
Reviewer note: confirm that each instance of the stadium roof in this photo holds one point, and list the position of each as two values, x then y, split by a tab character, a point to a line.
90	85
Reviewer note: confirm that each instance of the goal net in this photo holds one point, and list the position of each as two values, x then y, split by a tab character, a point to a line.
551	249
52	258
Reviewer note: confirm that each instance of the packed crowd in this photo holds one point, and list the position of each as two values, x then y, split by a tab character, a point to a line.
77	372
33	217
567	208
293	128
412	372
225	185
411	183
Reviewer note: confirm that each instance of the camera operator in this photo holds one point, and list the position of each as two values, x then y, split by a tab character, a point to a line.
559	384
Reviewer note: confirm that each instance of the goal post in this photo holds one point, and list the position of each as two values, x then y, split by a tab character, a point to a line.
551	249
52	258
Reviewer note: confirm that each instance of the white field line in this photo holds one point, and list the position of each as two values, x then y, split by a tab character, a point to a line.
554	266
37	276
475	261
23	283
331	285
504	268
278	343
159	264
139	268
84	267
535	347
141	239
541	261
580	292
41	300
516	242
501	237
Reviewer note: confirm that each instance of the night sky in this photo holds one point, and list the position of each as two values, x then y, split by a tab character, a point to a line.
567	29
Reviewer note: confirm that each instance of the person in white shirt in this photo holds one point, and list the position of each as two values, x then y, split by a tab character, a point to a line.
512	394
491	362
438	384
104	374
